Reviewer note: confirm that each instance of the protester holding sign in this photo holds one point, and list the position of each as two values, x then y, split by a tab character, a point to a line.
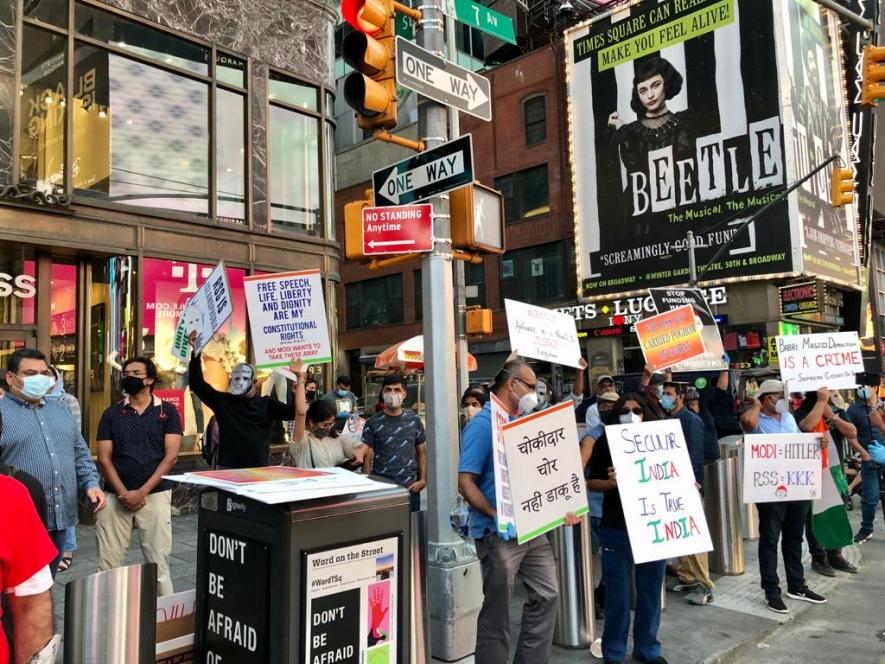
870	425
618	567
770	413
244	418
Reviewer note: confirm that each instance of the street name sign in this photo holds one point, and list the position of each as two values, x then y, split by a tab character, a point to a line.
442	81
426	174
403	229
482	18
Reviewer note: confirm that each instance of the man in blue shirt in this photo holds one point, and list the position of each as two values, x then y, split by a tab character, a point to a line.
769	412
503	560
41	438
869	424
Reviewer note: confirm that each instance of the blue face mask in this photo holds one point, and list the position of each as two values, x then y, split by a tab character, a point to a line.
36	387
341	393
667	402
864	393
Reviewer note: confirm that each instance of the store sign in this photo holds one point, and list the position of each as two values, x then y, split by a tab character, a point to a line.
629	310
23	286
801	298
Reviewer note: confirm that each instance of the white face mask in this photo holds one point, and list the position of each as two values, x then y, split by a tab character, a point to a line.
528	402
630	418
469	412
241	379
782	406
393	399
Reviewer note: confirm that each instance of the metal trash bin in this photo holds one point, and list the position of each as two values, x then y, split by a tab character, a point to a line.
574	572
733	446
112	616
721	487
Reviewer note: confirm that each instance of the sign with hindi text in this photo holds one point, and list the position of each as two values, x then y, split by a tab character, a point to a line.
205	313
545	472
670	338
811	361
287	317
662	507
781	467
543	334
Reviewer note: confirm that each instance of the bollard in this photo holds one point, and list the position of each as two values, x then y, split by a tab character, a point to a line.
574	615
111	617
721	487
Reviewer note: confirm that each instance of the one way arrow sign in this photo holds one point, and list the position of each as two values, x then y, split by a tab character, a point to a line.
431	172
442	81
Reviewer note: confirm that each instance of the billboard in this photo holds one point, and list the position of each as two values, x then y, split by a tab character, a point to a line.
816	115
675	125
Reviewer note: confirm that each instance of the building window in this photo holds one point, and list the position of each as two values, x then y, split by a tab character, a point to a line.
526	193
475	280
534	112
374	302
536	274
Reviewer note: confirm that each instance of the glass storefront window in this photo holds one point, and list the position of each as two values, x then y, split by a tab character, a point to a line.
141	39
287	90
331	180
18	286
294	171
42	108
63	323
140	134
231	152
54	12
166	288
230	69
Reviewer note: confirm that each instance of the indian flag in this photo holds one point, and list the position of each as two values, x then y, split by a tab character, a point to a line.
829	519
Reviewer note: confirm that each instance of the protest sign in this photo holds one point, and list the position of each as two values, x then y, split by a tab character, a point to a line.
205	313
352	611
781	467
503	495
670	338
543	334
287	317
812	361
546	475
666	299
662	507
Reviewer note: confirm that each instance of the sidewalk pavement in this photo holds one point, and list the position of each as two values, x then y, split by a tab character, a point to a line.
736	628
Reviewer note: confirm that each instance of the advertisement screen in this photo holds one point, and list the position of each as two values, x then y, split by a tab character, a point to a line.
675	126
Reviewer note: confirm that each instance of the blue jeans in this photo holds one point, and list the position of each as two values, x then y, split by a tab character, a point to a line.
70	539
618	570
869	477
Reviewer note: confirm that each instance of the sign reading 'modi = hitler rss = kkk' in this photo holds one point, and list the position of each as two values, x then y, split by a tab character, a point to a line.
812	361
426	174
397	230
782	467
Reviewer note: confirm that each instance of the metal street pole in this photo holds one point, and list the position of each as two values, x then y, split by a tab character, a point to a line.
448	562
692	261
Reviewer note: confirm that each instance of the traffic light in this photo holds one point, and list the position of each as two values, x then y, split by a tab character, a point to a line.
369	49
478	321
873	89
477	214
842	192
353	227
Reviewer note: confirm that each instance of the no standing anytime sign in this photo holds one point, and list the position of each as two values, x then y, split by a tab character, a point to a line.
397	230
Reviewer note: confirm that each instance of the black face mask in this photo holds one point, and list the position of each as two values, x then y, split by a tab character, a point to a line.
132	384
311	394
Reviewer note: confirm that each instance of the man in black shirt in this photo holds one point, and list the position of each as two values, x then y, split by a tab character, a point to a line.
244	418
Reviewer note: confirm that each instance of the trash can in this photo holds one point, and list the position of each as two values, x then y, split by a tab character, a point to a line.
112	617
721	486
574	572
733	446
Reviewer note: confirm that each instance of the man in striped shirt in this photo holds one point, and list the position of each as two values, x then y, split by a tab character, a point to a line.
41	438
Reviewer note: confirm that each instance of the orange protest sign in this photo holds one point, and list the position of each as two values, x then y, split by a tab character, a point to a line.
670	338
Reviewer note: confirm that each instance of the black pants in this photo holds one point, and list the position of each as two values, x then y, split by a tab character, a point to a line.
784	521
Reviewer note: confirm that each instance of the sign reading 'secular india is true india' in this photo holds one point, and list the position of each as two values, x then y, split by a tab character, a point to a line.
674	110
811	361
287	317
662	507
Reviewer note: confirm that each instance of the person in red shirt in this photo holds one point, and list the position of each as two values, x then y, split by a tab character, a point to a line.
25	554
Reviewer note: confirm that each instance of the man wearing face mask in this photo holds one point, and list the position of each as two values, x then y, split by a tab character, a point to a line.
244	418
138	443
397	442
41	438
870	426
343	399
501	559
770	413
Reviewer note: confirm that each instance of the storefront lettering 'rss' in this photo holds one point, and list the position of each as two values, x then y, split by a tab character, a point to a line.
134	155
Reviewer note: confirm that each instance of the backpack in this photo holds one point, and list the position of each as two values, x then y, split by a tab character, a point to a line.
210	445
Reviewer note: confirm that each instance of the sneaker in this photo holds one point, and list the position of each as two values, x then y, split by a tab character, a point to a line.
677	586
822	566
839	563
806	595
862	536
777	605
700	596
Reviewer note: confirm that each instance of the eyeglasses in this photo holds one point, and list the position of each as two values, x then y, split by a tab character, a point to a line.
635	411
531	386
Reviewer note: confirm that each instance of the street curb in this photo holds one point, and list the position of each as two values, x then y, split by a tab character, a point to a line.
735	654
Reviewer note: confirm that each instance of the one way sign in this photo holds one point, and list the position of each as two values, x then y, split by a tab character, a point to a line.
442	81
428	173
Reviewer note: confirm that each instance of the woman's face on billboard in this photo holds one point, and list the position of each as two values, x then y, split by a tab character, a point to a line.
652	94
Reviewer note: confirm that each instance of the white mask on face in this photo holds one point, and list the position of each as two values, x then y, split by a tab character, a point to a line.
241	379
393	399
469	412
630	418
782	406
528	402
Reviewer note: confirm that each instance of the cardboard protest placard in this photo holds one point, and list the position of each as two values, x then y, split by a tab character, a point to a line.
781	467
811	361
175	628
503	494
670	338
667	299
546	475
287	317
662	507
543	334
205	313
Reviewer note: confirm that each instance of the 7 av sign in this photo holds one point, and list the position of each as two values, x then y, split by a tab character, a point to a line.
442	81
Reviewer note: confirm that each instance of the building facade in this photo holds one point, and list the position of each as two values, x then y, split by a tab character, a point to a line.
140	144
